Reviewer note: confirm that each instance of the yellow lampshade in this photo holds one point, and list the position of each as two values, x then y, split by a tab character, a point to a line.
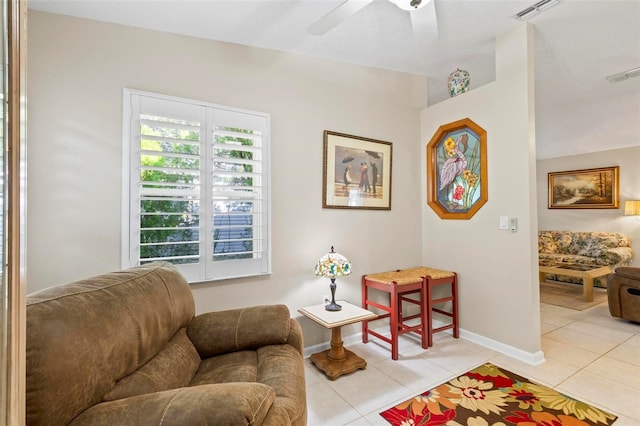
632	208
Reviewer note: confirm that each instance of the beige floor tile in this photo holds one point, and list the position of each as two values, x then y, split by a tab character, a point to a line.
409	345
370	389
618	371
601	329
458	355
312	374
376	419
606	348
549	373
582	340
547	328
612	323
372	352
554	319
628	351
361	422
562	312
417	374
603	393
325	407
566	353
625	421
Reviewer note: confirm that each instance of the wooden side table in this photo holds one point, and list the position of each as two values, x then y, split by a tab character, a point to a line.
337	361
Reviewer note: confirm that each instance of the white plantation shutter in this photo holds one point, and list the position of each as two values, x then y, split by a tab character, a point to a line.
196	187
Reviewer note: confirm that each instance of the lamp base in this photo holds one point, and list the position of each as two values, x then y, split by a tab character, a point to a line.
333	306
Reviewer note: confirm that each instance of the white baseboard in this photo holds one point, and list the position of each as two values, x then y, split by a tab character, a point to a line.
532	358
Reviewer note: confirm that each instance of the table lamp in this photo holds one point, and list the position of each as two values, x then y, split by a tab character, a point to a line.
632	208
333	265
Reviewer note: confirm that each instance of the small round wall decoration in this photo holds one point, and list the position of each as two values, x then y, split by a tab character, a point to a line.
458	82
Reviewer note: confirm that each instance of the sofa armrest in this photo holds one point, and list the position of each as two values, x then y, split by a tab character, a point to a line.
216	333
615	256
214	404
630	273
295	337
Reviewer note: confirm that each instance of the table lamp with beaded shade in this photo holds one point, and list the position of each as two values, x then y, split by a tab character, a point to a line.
333	265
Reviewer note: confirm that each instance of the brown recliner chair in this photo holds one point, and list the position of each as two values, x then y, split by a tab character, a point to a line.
623	291
126	348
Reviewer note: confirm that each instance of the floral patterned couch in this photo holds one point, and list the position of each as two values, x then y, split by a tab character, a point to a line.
590	248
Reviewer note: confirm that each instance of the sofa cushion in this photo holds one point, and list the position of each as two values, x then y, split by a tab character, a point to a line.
278	366
173	367
216	404
239	366
567	258
546	243
593	243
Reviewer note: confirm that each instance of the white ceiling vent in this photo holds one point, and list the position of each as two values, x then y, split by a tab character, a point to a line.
624	75
535	9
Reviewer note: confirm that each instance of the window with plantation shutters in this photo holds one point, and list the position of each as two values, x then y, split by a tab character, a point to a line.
196	187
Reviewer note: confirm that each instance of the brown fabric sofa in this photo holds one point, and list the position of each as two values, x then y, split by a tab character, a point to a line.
125	348
623	293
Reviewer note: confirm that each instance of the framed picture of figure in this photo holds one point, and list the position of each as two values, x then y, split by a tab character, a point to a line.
356	172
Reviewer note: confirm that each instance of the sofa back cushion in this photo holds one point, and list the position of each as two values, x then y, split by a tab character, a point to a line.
547	242
593	243
85	336
580	243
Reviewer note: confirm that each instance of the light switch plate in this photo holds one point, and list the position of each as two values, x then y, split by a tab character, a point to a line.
504	222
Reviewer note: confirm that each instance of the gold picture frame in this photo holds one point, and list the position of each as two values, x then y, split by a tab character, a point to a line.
457	170
585	189
356	172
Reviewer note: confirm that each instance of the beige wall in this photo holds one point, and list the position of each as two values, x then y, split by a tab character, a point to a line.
77	69
76	72
499	294
605	220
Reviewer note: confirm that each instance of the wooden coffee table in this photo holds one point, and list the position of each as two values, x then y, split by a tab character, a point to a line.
337	361
586	272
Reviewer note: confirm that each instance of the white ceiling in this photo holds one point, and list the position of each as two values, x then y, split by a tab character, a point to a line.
577	44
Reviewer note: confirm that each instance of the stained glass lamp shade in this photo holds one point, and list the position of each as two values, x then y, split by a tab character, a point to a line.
333	265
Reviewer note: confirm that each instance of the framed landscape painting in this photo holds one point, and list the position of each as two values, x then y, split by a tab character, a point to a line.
585	189
356	172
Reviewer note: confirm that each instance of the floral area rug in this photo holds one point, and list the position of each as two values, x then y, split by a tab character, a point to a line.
490	395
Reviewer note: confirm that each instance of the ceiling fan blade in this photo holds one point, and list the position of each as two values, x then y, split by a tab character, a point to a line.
425	23
337	15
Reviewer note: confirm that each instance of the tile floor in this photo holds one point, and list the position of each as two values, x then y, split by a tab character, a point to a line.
589	355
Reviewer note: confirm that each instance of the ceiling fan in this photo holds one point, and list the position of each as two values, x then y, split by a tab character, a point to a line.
422	13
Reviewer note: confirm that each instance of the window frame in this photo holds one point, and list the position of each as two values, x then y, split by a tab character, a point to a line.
213	115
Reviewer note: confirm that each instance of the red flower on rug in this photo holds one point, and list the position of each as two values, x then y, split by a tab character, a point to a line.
489	395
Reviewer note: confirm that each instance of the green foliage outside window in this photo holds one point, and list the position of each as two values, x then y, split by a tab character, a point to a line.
169	224
169	219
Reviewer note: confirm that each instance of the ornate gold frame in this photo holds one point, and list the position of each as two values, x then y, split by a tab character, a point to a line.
585	189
